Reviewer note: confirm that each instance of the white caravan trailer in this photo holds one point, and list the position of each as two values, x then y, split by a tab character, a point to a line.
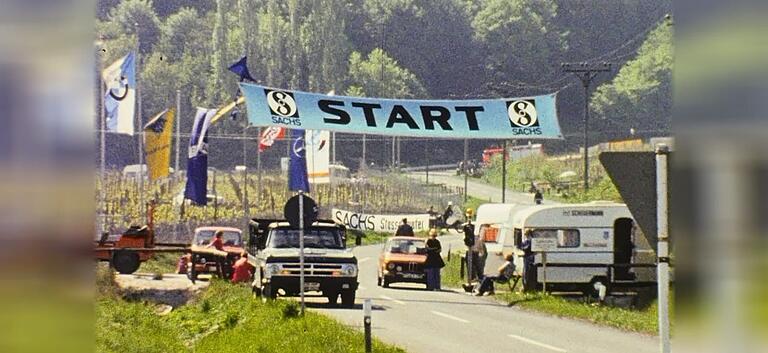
588	243
494	223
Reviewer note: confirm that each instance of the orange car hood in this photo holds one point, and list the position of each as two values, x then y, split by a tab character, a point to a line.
418	258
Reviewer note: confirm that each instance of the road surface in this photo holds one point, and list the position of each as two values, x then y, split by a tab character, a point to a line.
453	321
476	188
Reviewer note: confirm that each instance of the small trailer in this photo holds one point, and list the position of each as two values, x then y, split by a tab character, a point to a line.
583	246
126	252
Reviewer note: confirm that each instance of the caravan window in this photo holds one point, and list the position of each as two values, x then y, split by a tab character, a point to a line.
488	233
568	238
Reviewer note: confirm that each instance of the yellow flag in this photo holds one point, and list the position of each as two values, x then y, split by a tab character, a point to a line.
157	142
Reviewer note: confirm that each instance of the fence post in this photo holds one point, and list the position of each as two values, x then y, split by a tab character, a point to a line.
367	324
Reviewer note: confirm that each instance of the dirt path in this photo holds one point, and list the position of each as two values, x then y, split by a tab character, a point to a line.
172	289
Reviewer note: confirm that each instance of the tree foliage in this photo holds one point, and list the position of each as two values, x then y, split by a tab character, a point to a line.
639	97
429	49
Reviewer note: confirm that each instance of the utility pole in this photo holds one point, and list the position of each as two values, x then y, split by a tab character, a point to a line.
464	168
504	172
586	72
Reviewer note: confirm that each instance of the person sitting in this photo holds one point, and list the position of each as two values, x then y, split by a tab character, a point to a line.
404	230
506	271
216	242
241	270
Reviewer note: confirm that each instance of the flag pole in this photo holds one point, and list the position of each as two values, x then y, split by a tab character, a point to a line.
102	143
178	132
258	171
138	118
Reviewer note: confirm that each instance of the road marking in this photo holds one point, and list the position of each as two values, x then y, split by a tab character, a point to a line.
450	317
391	299
363	260
536	343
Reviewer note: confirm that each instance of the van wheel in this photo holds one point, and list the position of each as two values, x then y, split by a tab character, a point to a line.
348	298
385	282
126	262
333	298
378	281
267	292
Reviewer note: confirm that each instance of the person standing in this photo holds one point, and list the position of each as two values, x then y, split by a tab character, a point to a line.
469	240
404	230
434	261
538	198
480	253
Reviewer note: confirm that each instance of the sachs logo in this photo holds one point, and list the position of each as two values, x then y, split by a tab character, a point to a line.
522	113
282	104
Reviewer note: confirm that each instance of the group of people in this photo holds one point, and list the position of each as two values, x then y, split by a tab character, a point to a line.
241	269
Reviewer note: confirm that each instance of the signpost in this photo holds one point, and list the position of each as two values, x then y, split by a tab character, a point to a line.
300	211
542	243
642	180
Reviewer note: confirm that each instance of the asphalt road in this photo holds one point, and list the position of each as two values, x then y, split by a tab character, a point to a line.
476	188
453	321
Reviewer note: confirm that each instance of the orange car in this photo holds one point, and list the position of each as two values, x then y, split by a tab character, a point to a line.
402	260
205	259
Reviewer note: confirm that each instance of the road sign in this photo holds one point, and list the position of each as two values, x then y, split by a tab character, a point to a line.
544	242
634	174
291	211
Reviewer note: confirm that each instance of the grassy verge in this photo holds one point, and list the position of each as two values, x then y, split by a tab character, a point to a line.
161	263
633	320
644	320
225	318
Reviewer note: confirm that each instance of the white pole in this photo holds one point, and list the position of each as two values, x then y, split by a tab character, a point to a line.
662	152
301	249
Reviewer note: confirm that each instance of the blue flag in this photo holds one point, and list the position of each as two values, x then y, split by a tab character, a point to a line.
197	164
241	69
297	172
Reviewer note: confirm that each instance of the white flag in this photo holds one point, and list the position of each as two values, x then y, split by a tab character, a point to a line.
318	156
120	95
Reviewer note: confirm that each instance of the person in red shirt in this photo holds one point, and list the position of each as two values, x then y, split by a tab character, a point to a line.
241	270
217	243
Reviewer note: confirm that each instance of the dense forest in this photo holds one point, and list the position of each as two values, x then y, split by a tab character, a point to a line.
441	49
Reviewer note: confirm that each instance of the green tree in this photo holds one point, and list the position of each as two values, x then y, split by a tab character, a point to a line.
520	39
639	97
365	75
131	16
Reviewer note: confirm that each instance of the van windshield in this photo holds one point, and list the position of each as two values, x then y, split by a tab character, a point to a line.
405	246
229	238
289	238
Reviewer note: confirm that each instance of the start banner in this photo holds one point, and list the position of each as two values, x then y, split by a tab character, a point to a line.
532	117
379	223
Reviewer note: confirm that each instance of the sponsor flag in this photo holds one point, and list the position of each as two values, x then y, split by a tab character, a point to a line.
120	96
269	136
318	156
241	69
157	142
197	164
297	173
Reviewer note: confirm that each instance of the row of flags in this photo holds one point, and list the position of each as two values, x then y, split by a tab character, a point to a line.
120	108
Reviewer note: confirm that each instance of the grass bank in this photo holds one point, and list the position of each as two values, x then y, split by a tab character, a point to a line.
644	320
225	318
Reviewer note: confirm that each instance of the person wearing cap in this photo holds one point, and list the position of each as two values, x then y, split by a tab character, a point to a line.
404	230
434	261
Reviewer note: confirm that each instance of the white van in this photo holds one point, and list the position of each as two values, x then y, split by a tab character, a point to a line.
591	242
